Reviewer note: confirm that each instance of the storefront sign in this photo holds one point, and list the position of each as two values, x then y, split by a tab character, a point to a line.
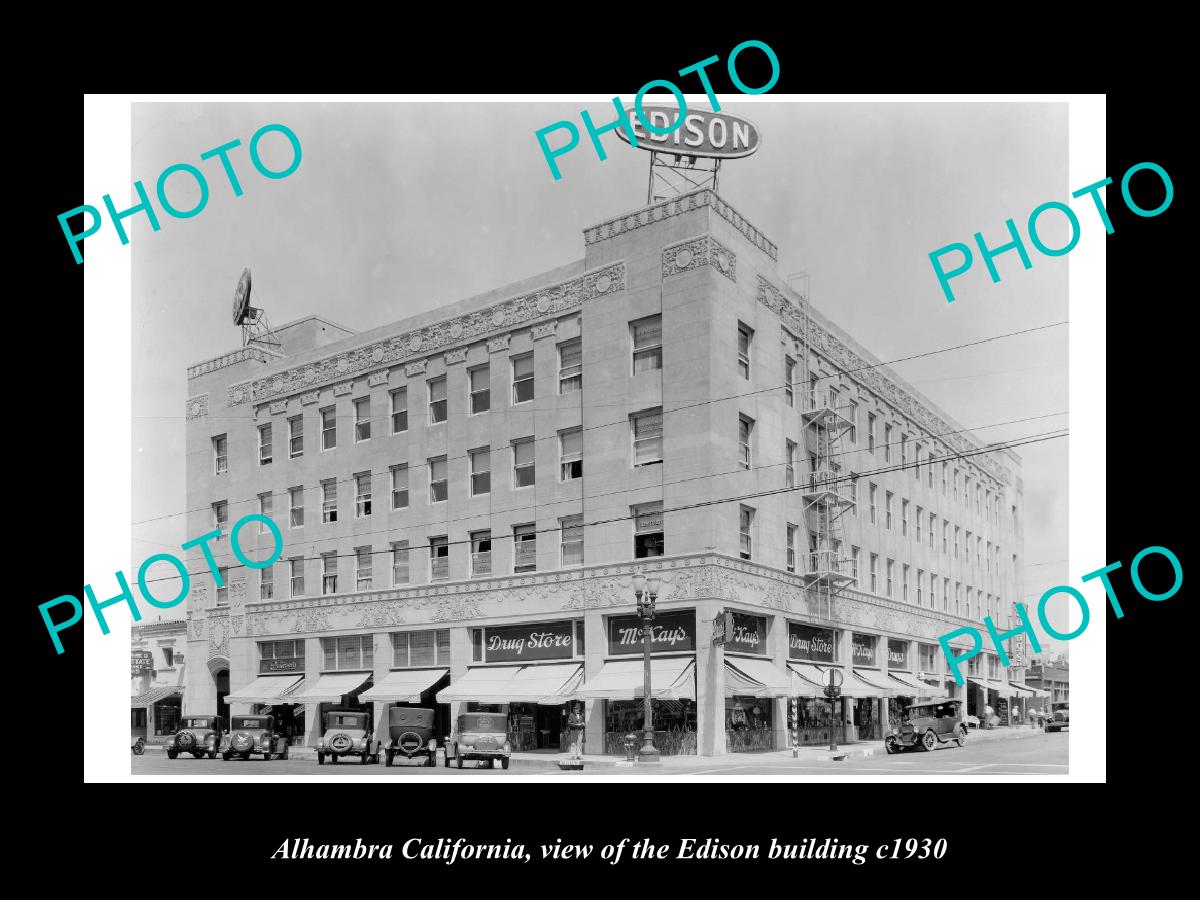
140	661
897	654
810	644
270	666
862	650
749	634
669	633
521	643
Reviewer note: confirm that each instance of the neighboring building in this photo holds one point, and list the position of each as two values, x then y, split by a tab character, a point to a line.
1053	676
157	677
471	489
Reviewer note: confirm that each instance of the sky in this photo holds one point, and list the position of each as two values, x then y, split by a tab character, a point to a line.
398	208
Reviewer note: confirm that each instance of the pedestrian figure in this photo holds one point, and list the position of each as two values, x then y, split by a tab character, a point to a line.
576	724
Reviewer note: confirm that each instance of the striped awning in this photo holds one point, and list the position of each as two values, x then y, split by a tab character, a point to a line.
916	686
404	686
755	678
155	694
876	683
330	688
671	678
1026	690
268	689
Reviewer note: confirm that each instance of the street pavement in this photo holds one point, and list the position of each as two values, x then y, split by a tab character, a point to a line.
1034	755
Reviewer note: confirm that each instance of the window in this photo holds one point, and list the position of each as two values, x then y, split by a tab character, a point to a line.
903	449
647	344
929	469
789	464
887	443
932	528
572	540
956	531
265	504
745	430
439	487
399	410
873	495
439	558
945	471
648	532
221	453
399	563
745	524
522	367
956	485
399	486
917	463
352	652
946	594
920	581
789	377
745	337
980	612
362	419
920	515
481	471
904	518
853	422
480	381
978	551
220	515
929	659
329	573
296	436
328	501
647	429
958	610
437	400
223	588
570	366
265	453
904	583
967	549
874	573
870	432
290	650
363	578
854	495
854	554
481	553
523	469
296	501
988	558
329	428
887	509
791	547
296	575
420	649
945	536
362	495
890	566
570	454
524	548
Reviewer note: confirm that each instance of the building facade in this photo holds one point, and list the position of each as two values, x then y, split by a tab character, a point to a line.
157	678
464	497
1052	677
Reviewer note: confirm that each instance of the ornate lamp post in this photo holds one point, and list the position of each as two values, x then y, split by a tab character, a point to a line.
646	591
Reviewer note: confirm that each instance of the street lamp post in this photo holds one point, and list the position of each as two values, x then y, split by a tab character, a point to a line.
646	591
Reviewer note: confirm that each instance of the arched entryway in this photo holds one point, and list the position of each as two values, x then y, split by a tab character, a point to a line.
219	670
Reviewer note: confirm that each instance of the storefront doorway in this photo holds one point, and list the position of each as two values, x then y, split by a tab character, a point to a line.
221	679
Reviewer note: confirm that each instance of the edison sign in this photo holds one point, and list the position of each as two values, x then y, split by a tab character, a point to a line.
721	135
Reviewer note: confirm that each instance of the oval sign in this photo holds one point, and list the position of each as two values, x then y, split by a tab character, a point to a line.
703	133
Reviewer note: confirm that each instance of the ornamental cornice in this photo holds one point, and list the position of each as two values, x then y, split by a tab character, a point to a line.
230	359
413	347
705	250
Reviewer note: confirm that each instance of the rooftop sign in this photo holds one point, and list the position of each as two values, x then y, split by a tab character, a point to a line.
715	134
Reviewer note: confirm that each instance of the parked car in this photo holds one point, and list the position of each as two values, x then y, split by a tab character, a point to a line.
347	733
197	735
928	726
253	734
481	736
1060	718
411	735
137	744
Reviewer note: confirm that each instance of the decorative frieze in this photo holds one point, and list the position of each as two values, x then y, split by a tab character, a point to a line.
699	251
457	355
377	378
310	398
230	359
544	330
498	344
506	315
415	368
278	406
341	390
197	406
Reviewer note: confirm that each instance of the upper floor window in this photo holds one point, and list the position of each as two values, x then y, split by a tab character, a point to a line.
571	454
399	410
745	526
223	588
789	463
265	453
791	547
296	436
420	649
399	486
745	338
221	453
437	400
522	367
523	463
439	484
647	344
870	432
481	389
481	471
481	553
570	366
789	379
887	443
220	515
648	534
296	575
572	540
296	499
400	563
647	428
362	419
853	417
329	564
439	558
362	495
363	578
328	428
524	548
348	652
745	430
329	501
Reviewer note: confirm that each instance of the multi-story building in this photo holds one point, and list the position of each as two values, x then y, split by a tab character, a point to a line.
157	678
465	495
1054	678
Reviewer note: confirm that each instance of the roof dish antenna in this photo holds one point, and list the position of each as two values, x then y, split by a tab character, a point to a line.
256	330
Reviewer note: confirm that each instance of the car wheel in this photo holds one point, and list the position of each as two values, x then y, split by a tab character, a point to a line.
139	748
198	754
171	754
961	740
890	746
504	763
929	741
225	757
458	757
320	759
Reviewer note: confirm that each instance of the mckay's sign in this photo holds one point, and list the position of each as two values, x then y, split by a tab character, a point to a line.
520	643
669	633
749	634
716	134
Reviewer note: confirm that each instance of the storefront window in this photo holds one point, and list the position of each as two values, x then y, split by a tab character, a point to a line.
281	656
348	653
416	649
674	725
748	724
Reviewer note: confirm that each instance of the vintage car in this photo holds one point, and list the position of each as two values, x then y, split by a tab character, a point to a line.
253	734
197	735
347	733
1060	718
411	733
928	725
137	744
481	736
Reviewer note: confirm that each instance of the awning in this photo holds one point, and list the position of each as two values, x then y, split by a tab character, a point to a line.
482	684
806	680
671	678
331	688
269	689
551	685
918	687
877	684
153	695
405	686
755	678
1031	691
1003	688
